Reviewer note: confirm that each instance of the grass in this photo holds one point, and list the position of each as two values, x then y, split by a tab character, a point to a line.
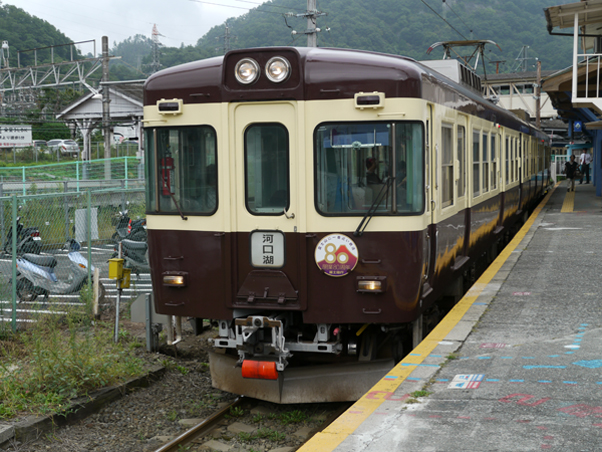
60	357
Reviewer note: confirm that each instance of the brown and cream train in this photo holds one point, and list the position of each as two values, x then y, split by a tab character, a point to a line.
316	203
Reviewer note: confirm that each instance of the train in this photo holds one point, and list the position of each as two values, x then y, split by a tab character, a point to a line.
321	206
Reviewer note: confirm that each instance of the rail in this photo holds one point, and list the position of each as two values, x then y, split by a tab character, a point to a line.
207	425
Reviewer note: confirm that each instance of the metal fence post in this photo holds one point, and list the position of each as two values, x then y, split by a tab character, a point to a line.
2	212
77	174
89	234
24	189
123	204
66	209
126	171
14	262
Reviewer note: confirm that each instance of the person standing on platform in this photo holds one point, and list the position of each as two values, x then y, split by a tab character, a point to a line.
584	160
570	167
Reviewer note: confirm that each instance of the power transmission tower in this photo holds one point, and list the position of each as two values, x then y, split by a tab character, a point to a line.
156	64
20	84
523	60
312	30
226	37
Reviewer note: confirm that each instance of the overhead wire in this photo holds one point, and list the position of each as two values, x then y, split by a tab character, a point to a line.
443	19
236	7
448	5
273	6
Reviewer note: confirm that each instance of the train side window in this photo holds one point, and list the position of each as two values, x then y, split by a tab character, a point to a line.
447	165
485	163
182	170
512	158
476	164
493	163
364	165
461	142
267	169
507	166
519	157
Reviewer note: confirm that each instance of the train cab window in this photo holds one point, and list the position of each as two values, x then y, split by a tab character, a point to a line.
447	165
267	169
181	170
476	164
375	165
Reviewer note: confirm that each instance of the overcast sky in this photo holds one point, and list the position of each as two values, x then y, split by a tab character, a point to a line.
179	21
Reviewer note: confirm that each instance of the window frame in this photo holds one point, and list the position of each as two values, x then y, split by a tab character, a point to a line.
153	175
246	169
392	211
447	166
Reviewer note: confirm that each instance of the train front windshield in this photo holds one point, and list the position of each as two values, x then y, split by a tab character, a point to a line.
182	170
360	165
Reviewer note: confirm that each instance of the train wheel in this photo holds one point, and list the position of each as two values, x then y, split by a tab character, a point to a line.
400	346
25	290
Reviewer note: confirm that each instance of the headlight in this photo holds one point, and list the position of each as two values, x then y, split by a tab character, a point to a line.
278	69
246	71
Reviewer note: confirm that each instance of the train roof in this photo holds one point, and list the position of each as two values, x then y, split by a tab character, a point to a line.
321	74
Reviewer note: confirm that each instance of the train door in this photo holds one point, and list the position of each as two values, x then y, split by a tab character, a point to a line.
431	201
265	211
461	181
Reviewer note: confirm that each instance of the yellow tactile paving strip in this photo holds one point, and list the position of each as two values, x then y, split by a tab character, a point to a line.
569	202
339	430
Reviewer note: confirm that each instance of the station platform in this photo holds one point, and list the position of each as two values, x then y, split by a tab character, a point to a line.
515	366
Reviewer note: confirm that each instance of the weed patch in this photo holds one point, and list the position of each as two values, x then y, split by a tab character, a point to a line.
57	358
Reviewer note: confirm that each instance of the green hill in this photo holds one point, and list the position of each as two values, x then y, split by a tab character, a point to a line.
24	32
408	27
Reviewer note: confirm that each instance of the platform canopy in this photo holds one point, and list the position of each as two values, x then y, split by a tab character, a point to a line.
563	16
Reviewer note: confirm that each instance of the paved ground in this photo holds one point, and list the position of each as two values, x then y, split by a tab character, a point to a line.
525	372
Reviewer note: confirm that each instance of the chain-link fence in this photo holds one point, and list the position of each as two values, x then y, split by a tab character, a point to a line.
123	173
57	235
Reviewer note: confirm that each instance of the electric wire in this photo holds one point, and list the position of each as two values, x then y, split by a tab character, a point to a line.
443	19
470	29
273	6
235	7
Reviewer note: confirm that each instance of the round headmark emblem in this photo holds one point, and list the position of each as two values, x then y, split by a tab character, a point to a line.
336	255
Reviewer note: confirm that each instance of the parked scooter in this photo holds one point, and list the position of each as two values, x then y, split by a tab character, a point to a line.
129	229
135	255
28	239
36	274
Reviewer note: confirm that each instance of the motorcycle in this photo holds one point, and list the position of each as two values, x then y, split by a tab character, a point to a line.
28	240
129	229
135	255
36	275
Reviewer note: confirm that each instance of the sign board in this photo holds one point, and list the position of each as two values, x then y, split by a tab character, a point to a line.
81	221
267	249
15	136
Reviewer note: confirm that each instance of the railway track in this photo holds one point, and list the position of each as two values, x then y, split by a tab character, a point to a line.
239	424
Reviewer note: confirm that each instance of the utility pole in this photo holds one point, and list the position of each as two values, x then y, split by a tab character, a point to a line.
538	97
311	15
106	115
